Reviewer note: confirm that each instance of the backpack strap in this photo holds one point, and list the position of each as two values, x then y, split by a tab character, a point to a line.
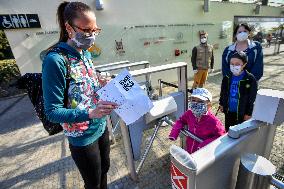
68	71
67	78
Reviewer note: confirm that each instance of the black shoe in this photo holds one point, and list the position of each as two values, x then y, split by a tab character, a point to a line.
190	91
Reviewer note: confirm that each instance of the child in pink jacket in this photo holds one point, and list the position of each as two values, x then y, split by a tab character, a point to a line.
200	121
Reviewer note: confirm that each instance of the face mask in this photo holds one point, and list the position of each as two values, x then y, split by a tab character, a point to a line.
198	108
242	36
203	40
83	42
236	70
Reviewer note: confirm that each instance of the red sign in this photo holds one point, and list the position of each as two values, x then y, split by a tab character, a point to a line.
179	180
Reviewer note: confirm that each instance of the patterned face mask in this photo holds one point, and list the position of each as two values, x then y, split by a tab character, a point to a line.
82	41
236	70
198	108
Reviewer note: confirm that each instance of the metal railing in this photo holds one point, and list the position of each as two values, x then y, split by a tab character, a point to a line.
161	83
131	131
111	64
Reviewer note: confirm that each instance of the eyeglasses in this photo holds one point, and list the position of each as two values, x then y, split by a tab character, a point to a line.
89	32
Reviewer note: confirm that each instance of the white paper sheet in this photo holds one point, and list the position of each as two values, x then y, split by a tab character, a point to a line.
131	98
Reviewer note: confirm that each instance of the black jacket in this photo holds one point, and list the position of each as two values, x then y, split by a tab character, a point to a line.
247	92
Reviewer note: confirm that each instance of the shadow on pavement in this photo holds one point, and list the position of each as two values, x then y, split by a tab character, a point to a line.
62	166
26	179
11	105
18	113
30	146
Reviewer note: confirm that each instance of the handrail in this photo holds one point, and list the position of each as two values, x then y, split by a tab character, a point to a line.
161	83
155	69
121	66
112	64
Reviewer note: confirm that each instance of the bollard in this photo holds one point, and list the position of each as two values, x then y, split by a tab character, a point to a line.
254	172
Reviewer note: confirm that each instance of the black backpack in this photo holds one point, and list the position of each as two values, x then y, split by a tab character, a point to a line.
32	82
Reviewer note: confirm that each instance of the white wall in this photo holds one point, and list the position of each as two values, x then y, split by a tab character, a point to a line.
117	15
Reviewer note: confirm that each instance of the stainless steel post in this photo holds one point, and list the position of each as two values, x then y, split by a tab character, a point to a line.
269	139
147	76
160	87
254	172
182	83
182	86
128	150
110	127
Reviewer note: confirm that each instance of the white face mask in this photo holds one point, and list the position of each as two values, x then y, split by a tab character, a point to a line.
242	36
203	40
236	70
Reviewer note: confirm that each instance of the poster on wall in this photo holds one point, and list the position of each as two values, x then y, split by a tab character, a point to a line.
226	26
19	21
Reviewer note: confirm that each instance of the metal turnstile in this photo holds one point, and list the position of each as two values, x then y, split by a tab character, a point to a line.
175	106
216	165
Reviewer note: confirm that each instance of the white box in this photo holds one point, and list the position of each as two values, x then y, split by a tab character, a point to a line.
269	106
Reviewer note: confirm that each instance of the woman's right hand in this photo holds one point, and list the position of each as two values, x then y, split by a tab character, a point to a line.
103	108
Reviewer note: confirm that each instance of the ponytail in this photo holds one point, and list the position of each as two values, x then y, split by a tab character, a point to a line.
67	12
61	20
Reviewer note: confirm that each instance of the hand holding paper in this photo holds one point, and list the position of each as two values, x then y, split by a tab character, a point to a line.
103	108
131	99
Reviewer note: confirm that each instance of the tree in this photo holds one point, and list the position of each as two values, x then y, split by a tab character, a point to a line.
5	49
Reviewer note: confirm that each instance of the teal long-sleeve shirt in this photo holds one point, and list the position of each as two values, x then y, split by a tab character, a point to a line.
54	85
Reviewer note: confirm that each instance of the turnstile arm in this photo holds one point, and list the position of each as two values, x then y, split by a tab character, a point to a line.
184	131
148	147
238	130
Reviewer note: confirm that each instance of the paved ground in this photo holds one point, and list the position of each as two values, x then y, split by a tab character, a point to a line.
29	158
270	50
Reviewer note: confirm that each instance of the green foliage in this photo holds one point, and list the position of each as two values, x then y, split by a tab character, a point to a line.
3	41
8	70
5	49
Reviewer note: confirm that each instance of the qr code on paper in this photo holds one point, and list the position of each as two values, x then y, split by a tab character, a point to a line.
126	83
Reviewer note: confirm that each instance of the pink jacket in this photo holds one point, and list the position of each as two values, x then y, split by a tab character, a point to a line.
208	129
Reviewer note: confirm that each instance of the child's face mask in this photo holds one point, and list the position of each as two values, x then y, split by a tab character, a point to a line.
198	108
236	66
236	70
